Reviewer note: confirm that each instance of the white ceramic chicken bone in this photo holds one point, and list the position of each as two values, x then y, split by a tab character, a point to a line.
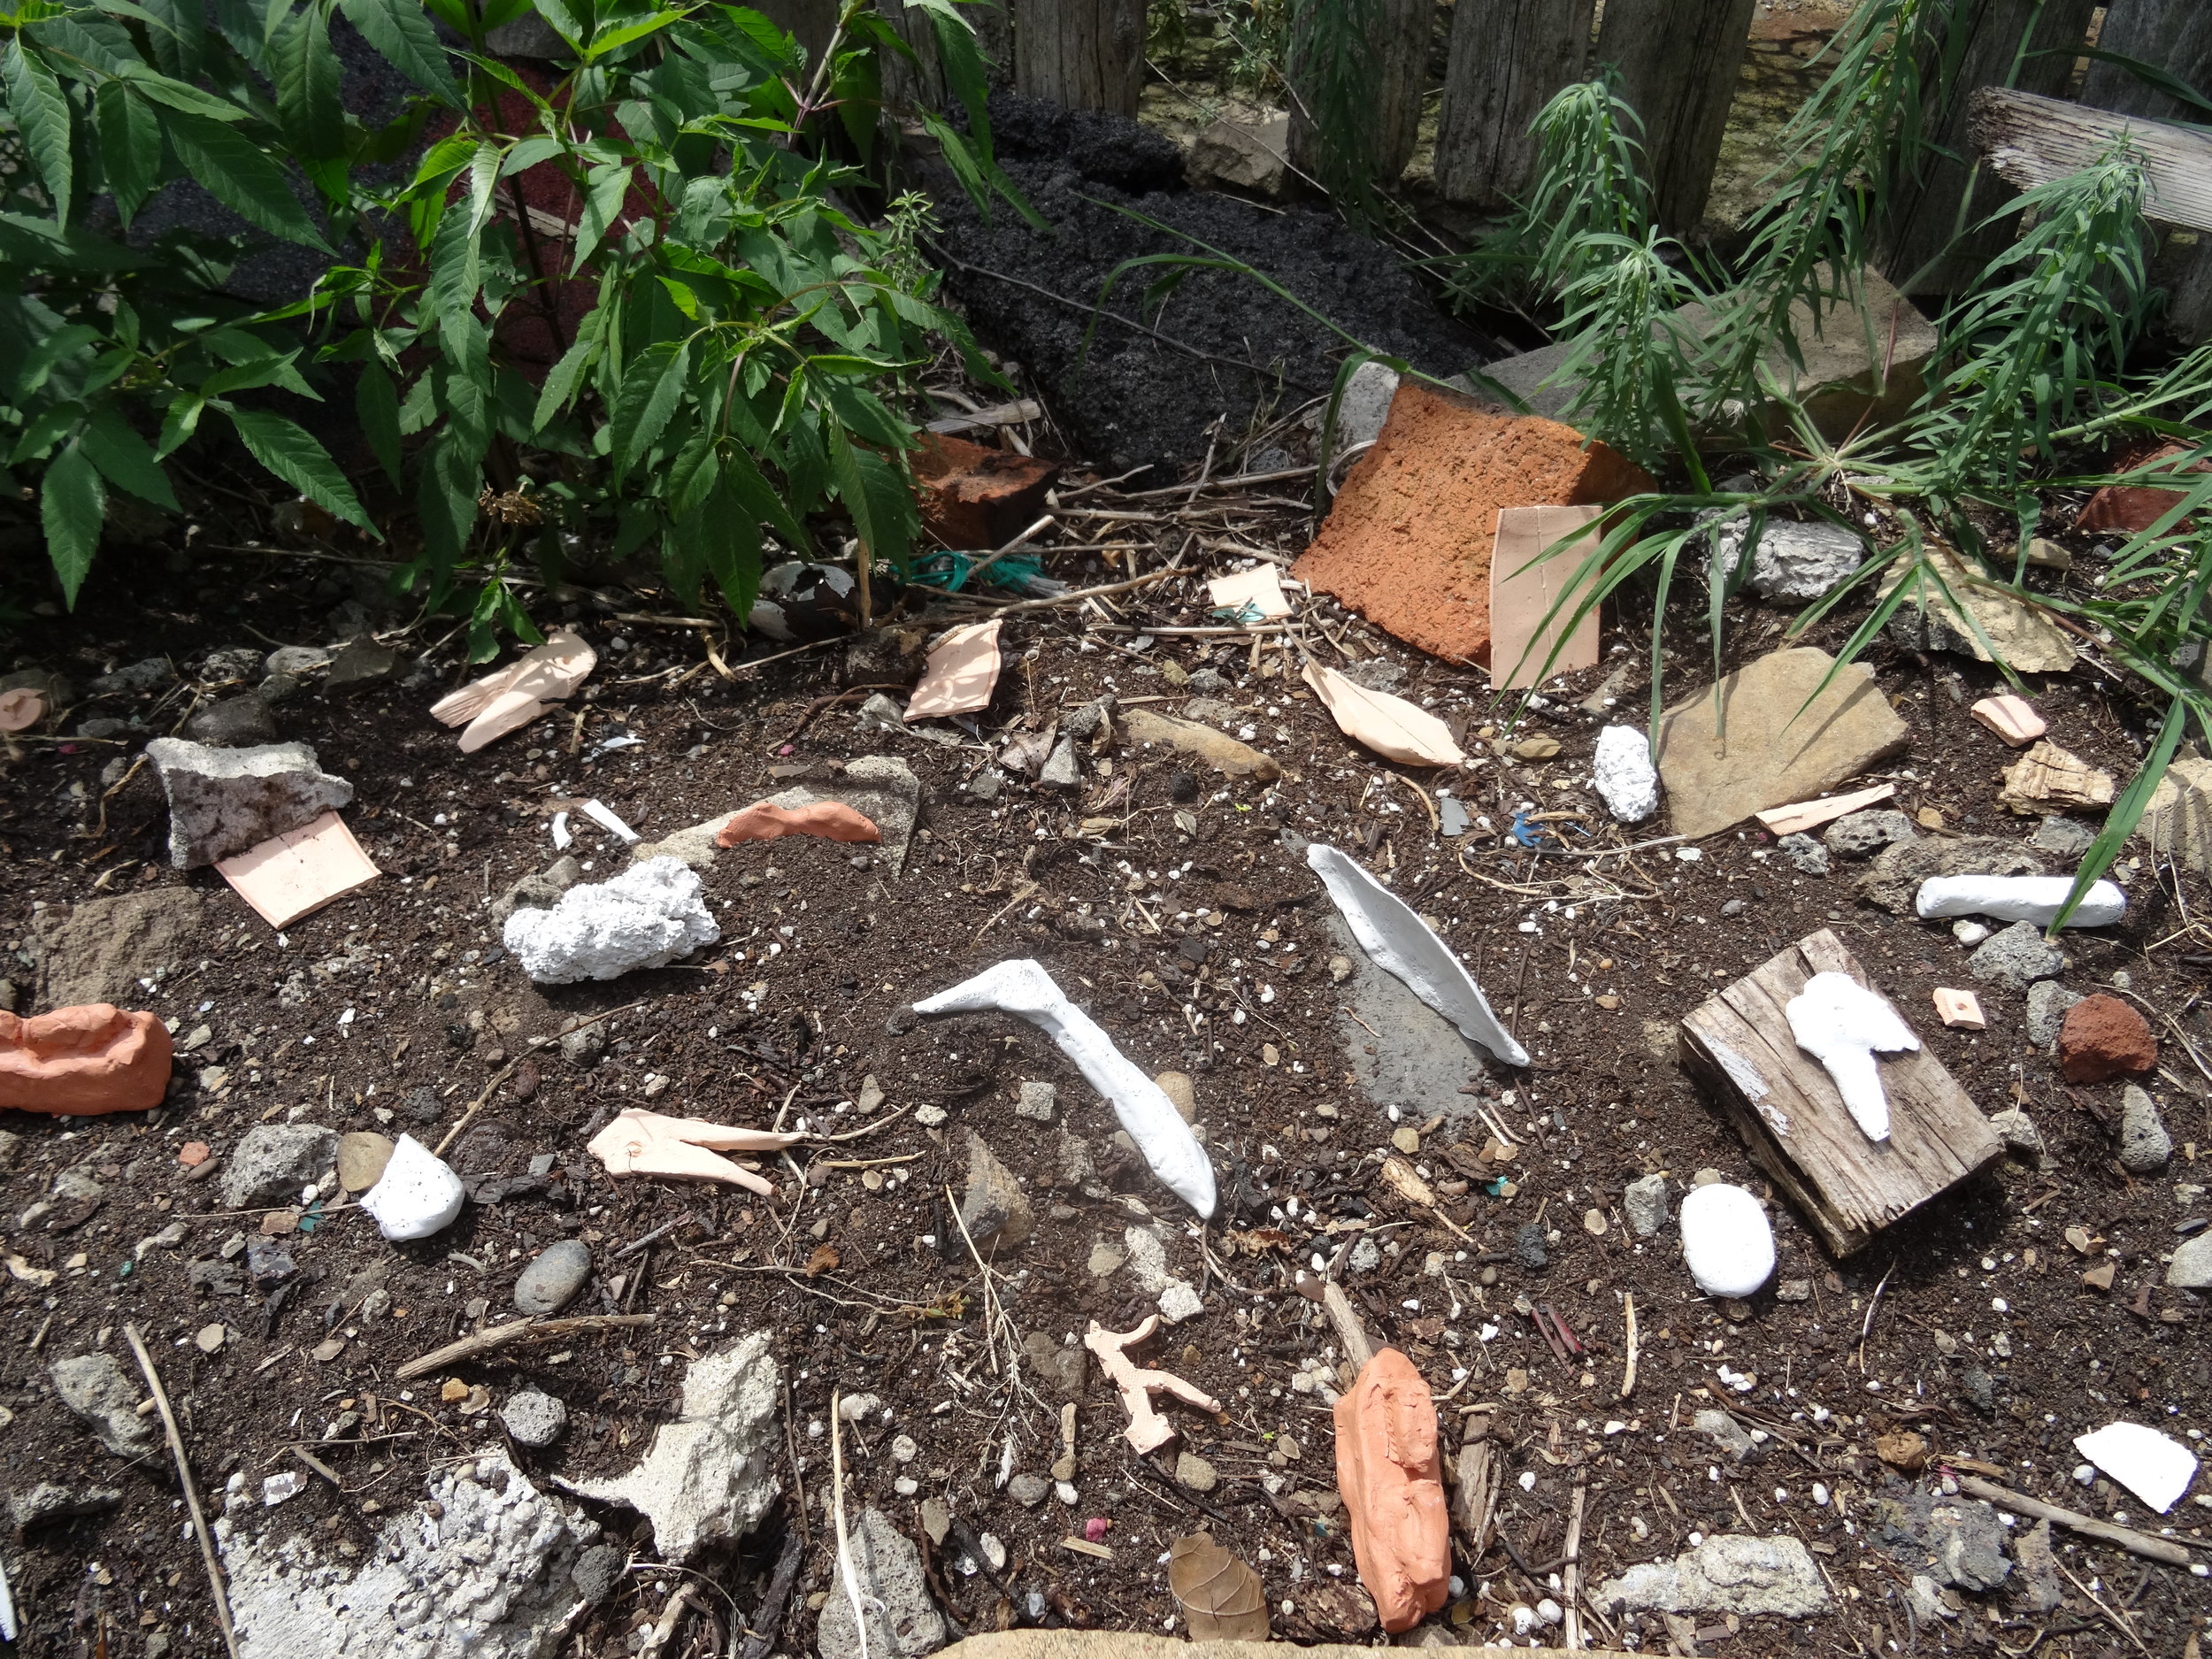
1022	987
1843	1025
2019	899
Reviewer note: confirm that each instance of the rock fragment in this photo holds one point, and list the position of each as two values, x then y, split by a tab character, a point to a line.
2144	1146
1793	564
224	801
272	1162
2017	958
1644	1202
645	918
994	1209
2102	1037
1863	834
1737	1573
551	1280
95	1391
902	1622
533	1418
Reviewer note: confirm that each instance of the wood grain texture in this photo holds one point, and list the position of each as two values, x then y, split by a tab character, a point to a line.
2031	140
1737	1045
1400	38
1679	60
1082	54
1508	57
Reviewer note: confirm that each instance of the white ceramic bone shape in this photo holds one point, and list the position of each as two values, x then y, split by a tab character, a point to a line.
2019	899
1843	1025
1022	987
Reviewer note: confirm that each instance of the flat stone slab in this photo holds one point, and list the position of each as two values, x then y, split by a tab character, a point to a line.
1743	745
100	950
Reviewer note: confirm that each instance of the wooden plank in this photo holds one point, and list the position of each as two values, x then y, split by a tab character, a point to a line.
1508	58
1082	54
1679	60
1398	36
1737	1044
2031	140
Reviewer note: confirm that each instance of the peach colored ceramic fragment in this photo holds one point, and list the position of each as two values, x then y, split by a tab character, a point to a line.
1393	1483
2012	719
1522	595
290	875
517	693
1959	1008
640	1142
1803	815
192	1154
22	708
960	675
1261	588
765	821
82	1061
1147	1430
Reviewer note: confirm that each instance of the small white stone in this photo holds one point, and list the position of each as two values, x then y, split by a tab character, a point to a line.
1726	1240
1548	1612
1528	1480
906	1486
1623	774
416	1196
1064	1490
904	1449
1969	932
2155	1467
1820	1495
282	1488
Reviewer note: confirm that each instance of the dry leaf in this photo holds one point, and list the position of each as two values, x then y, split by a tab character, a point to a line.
1221	1598
1393	728
824	1260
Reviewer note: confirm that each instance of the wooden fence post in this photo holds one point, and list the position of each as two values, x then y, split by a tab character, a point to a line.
810	22
1679	61
1398	33
1508	58
2025	44
1080	54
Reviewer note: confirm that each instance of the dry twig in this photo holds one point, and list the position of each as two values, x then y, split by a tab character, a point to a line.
516	1331
191	1492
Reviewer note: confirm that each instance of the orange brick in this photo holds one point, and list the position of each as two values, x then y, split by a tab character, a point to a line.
1409	542
975	498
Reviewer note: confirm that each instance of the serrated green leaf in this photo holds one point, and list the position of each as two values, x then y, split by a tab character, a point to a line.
693	474
307	88
650	388
43	118
568	374
242	178
402	37
376	401
290	451
446	495
178	423
615	40
608	184
483	180
72	503
185	99
124	460
57	347
130	146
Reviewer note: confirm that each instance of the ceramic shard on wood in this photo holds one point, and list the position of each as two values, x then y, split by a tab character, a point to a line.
1147	1430
1392	1477
1739	1047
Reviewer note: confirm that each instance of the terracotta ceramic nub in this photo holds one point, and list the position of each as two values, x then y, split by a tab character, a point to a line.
80	1062
1393	1483
765	821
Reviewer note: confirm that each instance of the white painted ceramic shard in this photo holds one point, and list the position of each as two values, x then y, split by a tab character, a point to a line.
2019	899
1402	945
1726	1241
1844	1026
2155	1467
417	1195
1023	988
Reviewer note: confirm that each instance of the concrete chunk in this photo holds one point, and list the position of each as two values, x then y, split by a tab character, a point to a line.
223	801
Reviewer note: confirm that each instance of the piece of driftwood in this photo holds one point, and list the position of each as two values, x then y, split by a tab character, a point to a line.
1737	1045
2031	140
501	1336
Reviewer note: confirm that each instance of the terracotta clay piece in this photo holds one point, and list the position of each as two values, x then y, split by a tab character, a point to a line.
22	708
1147	1430
2104	1037
972	496
80	1062
765	821
1392	1482
640	1142
2136	507
2012	719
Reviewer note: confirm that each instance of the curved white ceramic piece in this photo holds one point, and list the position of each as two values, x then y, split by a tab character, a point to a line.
2155	1467
1843	1025
2018	899
1402	944
417	1195
1022	987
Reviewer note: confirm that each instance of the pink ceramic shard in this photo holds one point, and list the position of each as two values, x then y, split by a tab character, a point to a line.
1147	1430
765	821
963	673
290	875
638	1142
2012	719
1522	596
517	693
83	1061
1960	1009
1800	816
22	708
1393	1481
1252	596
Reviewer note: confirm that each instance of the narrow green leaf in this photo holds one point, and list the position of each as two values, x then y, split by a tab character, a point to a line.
239	176
615	40
402	37
291	452
568	374
307	90
42	117
130	145
71	501
483	178
124	460
608	183
376	401
181	96
650	388
446	495
178	424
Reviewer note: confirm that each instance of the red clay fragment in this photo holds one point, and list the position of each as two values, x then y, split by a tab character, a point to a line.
1409	542
765	821
192	1154
2133	507
22	708
80	1061
2104	1037
1393	1483
975	497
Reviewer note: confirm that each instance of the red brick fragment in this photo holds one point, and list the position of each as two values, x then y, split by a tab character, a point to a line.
2104	1037
765	821
80	1062
2133	507
1388	1469
975	498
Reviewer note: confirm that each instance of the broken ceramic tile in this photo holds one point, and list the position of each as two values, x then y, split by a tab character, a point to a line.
2012	719
1393	728
960	675
1523	589
294	874
1800	816
641	1142
2155	1467
517	693
1960	1010
765	821
1147	1430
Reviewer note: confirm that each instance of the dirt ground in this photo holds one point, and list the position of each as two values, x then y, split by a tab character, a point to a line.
1168	904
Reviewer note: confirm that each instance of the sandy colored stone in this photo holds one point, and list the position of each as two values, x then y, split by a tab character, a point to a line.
1408	542
1742	745
1224	752
2178	820
2029	642
80	1062
362	1156
1392	1478
99	950
2048	779
1179	1088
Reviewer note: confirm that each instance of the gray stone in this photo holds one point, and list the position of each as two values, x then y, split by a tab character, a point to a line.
421	1105
1725	1432
1980	1389
223	801
229	664
597	1570
1195	1472
272	1162
1366	1256
1208	680
298	660
1736	1573
1807	856
2048	1002
986	786
2192	1266
1793	564
1955	1541
551	1281
1084	724
1452	814
533	1418
1927	1602
2041	1584
994	1209
153	674
2066	837
2017	958
1029	1491
47	1501
1243	155
242	722
101	950
105	726
2022	1138
1063	769
363	663
1892	880
1365	405
1178	1298
1213	711
1863	834
1036	1101
582	1047
712	1471
2144	1146
95	1391
1528	1247
1644	1202
539	892
902	1622
11	1143
277	688
1061	1367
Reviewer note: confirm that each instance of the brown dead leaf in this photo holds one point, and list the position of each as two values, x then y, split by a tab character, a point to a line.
1902	1450
1393	728
1407	1183
1221	1598
824	1260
